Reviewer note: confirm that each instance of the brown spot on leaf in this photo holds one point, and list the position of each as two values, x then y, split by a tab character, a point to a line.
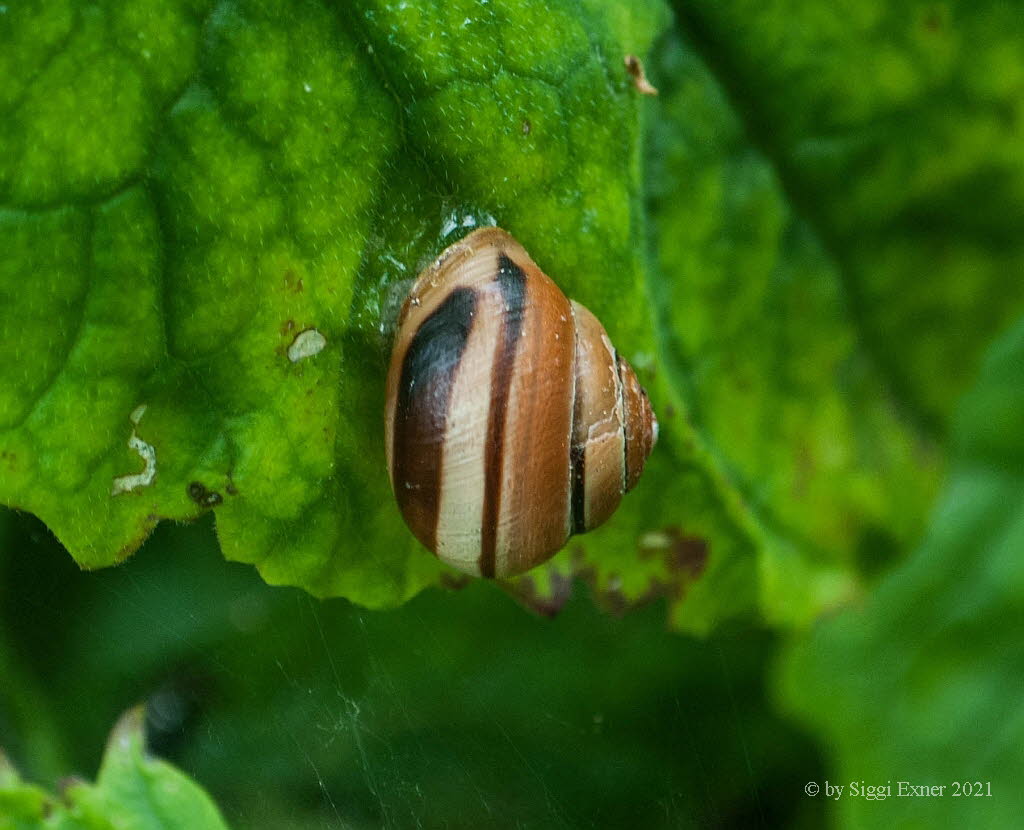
527	126
205	498
525	590
636	71
293	282
688	554
685	558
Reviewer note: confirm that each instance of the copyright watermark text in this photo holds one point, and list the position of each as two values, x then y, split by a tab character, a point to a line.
899	789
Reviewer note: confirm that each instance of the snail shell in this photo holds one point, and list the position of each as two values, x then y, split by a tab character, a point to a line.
511	421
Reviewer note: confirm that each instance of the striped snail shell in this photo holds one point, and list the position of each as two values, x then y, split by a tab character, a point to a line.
511	422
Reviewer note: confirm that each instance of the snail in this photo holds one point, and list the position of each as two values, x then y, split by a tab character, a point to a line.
511	423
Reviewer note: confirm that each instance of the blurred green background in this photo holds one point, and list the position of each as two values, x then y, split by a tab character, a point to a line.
459	709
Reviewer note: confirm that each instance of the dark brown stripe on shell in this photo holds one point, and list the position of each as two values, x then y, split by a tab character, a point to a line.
511	281
424	390
577	460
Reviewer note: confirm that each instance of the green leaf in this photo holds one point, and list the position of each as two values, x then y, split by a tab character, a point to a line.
187	189
805	462
132	790
921	684
804	287
894	130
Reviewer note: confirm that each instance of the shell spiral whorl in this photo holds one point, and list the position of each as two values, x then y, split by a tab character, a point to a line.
511	422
